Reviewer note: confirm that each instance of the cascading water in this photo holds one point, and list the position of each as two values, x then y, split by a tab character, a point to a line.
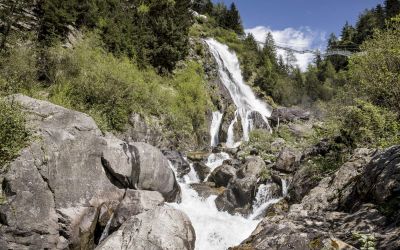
215	125
215	229
242	95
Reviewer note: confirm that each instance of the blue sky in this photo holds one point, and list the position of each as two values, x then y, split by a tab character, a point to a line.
321	15
302	24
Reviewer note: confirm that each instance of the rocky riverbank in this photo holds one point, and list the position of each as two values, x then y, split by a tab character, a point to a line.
75	187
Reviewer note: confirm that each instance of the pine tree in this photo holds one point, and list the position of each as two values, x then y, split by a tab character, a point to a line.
234	21
392	8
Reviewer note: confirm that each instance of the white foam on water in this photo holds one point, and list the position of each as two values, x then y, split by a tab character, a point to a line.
242	95
215	126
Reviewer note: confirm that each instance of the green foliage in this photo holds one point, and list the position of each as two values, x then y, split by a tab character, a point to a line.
366	124
190	103
18	68
376	70
367	241
91	80
13	133
153	31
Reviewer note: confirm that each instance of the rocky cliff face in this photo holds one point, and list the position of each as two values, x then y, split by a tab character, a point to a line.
356	207
65	187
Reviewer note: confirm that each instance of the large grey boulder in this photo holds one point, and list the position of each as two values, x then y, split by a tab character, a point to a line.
161	228
288	160
286	115
151	171
241	190
134	203
69	180
53	189
177	159
222	175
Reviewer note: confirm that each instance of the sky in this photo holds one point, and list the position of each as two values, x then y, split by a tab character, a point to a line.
300	24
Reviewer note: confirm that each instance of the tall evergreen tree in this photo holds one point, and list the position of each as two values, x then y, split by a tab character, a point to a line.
233	20
392	8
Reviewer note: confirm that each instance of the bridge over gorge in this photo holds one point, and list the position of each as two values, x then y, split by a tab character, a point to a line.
330	52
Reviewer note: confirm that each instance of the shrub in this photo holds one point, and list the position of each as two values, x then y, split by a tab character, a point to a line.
375	71
13	133
91	80
367	124
18	69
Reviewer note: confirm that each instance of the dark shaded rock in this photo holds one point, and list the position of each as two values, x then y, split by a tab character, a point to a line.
227	201
379	183
178	161
151	171
259	122
161	228
206	189
288	160
134	203
286	115
202	170
222	175
198	156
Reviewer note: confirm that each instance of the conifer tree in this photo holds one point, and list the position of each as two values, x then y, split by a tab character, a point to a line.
233	20
392	8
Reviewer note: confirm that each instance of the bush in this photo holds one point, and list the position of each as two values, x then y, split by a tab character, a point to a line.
375	71
366	124
18	69
13	133
91	80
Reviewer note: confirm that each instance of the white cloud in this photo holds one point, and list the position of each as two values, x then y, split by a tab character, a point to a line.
298	39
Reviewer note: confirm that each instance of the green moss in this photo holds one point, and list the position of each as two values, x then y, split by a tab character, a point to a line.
13	133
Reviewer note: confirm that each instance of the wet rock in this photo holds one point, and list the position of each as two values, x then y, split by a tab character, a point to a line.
288	160
198	156
279	208
202	170
222	175
206	189
227	201
233	162
238	196
252	167
151	171
178	161
134	203
161	228
259	122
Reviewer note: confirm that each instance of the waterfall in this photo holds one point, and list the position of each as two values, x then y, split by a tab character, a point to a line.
215	125
262	201
214	229
242	95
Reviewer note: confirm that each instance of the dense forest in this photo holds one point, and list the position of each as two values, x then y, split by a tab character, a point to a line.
133	56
